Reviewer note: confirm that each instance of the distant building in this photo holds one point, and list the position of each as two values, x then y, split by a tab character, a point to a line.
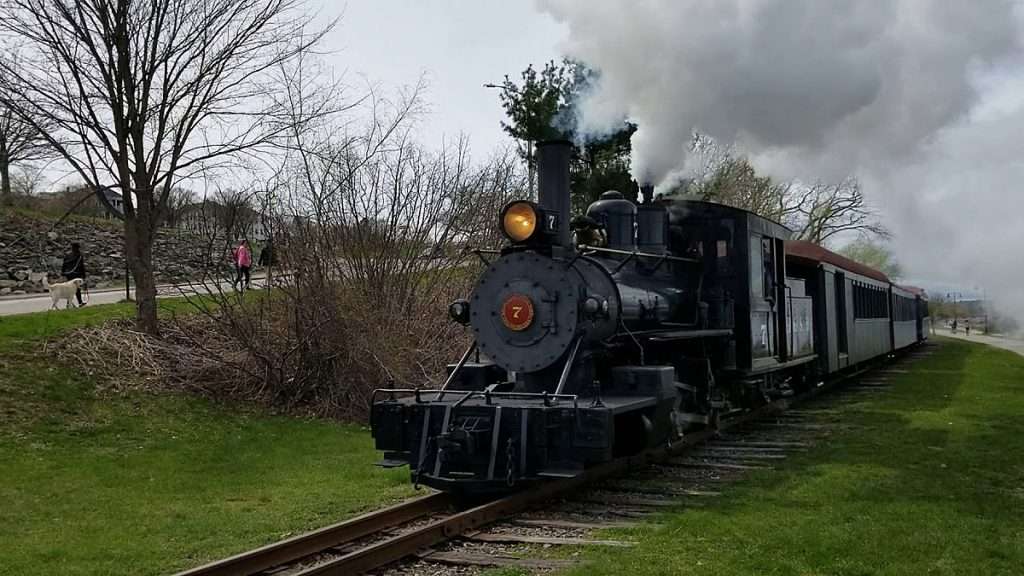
211	218
113	202
83	201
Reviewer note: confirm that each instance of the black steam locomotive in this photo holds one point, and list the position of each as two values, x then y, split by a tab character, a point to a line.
625	329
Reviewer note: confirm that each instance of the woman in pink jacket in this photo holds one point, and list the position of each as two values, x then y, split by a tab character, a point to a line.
243	263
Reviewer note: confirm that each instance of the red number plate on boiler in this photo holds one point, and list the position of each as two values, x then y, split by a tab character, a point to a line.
517	312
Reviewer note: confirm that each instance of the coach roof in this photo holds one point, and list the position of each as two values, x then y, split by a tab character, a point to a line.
810	252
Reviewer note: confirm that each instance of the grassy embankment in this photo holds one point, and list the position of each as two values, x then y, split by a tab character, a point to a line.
147	484
929	479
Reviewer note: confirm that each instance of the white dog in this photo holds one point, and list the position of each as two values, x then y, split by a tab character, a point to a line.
63	291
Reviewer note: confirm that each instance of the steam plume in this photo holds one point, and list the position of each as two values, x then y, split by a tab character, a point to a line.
922	100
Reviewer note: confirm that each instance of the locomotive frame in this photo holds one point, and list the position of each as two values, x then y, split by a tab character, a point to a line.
685	313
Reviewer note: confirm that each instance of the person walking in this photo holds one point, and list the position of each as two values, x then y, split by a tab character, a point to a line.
243	264
967	327
74	267
267	261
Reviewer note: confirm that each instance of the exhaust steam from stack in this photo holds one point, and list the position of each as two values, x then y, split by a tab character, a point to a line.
922	101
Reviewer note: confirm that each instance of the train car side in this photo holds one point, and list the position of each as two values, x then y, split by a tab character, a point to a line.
904	318
859	314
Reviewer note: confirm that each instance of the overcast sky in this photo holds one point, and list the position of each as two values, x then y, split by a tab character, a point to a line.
885	79
456	45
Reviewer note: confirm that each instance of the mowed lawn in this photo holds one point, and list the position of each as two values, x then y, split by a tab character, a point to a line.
930	481
147	484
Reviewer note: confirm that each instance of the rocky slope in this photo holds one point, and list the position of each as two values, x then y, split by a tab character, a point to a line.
31	246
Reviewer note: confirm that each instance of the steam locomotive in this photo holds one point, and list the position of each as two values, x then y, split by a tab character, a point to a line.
628	328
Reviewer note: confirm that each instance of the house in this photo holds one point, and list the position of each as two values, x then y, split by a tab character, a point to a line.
212	218
82	200
112	201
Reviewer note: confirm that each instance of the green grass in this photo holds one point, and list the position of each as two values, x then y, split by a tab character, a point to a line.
930	482
48	216
145	484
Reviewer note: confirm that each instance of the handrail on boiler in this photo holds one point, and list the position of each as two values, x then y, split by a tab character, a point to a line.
637	254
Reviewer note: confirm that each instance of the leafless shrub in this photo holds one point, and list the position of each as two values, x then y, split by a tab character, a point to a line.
371	235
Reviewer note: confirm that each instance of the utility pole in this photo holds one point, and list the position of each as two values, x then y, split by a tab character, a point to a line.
956	308
984	306
529	164
529	143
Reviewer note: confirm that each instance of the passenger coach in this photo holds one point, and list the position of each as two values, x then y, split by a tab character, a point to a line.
860	313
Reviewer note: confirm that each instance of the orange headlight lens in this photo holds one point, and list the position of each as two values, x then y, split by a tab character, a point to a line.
519	221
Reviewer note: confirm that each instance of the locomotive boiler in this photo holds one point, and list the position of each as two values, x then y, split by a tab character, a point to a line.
603	335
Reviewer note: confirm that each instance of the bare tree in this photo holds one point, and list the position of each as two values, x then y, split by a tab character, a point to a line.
820	211
370	231
20	143
178	199
145	94
27	180
816	212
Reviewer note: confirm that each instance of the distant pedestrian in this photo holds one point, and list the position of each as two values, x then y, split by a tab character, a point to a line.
953	325
967	327
267	260
243	264
267	254
74	267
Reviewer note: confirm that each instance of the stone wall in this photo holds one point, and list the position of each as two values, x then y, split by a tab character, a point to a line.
29	248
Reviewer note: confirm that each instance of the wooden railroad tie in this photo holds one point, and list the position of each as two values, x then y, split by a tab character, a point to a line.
549	540
493	561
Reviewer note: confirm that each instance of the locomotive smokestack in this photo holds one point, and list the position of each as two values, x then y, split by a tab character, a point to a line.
648	191
553	184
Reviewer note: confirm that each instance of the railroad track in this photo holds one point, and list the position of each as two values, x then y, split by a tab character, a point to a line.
424	529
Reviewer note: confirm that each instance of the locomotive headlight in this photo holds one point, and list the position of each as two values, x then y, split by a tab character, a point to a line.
459	311
519	220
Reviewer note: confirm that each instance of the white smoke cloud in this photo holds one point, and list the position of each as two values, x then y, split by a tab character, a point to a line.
922	100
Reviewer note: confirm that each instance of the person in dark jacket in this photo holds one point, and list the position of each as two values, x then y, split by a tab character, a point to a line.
268	260
267	254
74	267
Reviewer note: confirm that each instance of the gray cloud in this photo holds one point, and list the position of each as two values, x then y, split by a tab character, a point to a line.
920	99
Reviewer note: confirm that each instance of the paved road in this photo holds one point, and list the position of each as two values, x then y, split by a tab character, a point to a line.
41	302
1012	344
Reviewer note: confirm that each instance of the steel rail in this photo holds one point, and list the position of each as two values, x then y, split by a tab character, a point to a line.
406	544
398	547
303	545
